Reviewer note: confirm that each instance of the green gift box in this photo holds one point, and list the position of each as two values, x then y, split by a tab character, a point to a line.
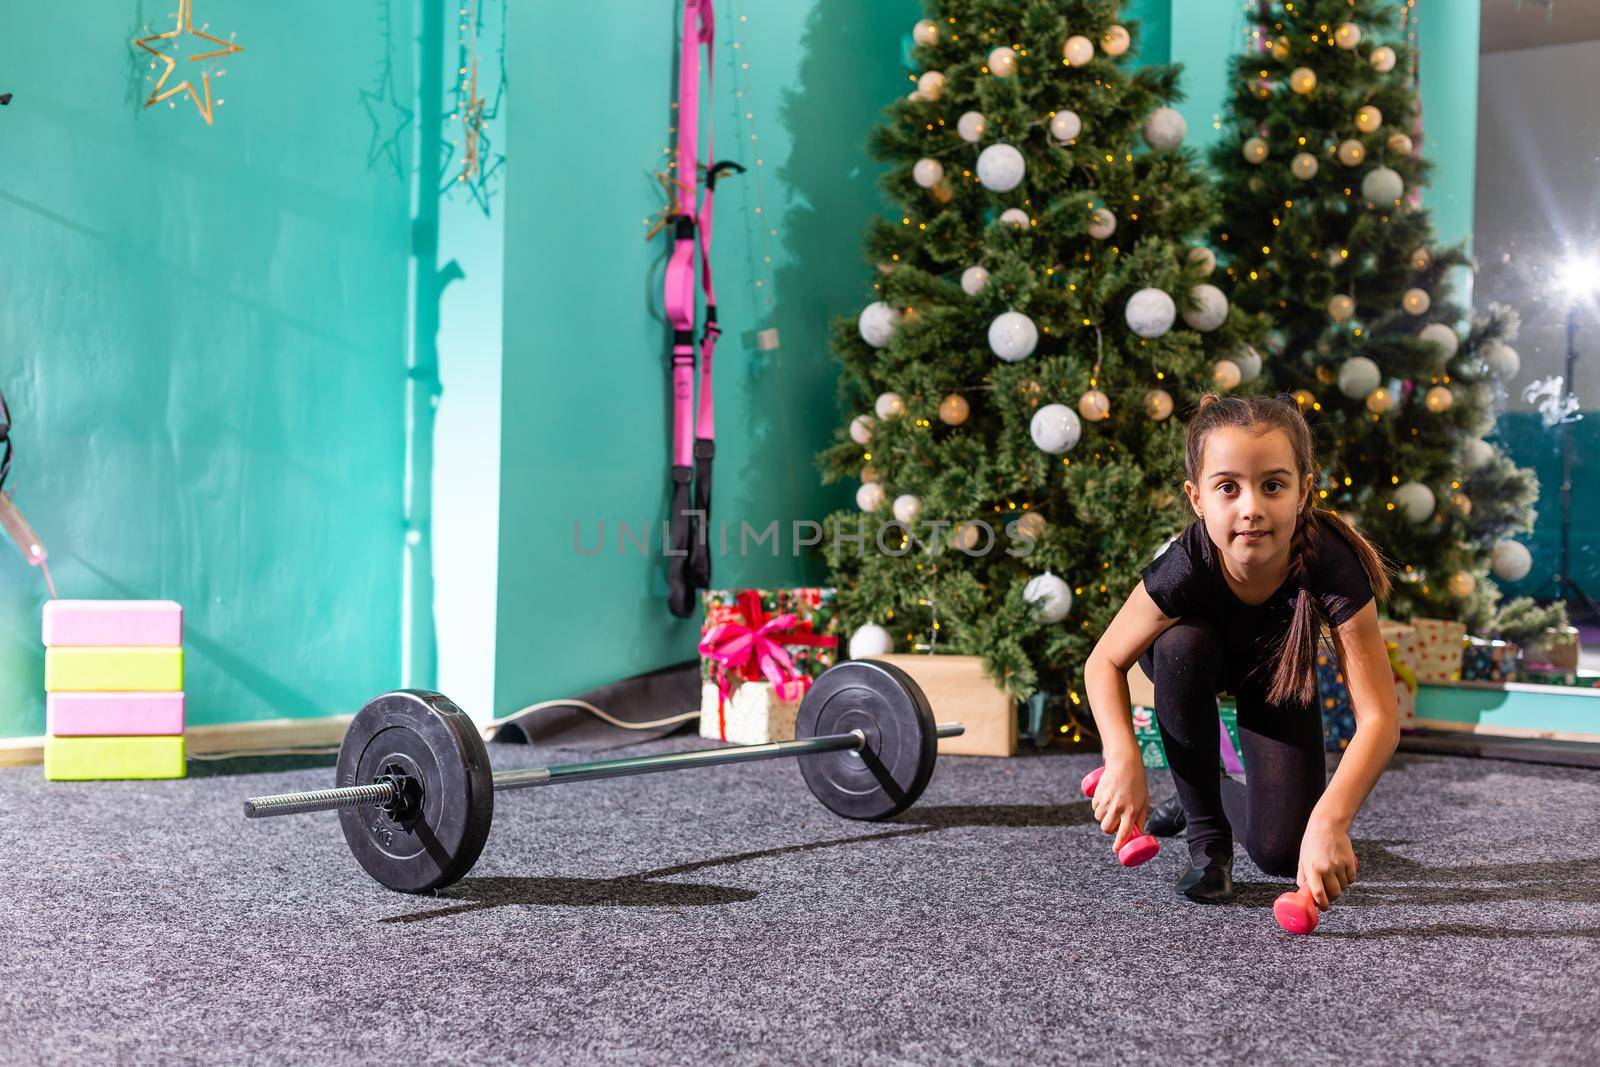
1148	734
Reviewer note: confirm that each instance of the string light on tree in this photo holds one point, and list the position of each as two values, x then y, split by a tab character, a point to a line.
1305	398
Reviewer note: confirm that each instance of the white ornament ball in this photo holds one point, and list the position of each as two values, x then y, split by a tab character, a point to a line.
1443	338
1013	336
1050	596
1210	308
1055	428
889	406
870	496
1016	217
1248	361
931	84
907	507
861	428
1227	375
1000	168
1382	186
878	322
915	96
974	280
1477	453
1255	150
1347	36
1150	313
1368	119
1065	126
1165	129
1341	307
1511	561
1094	405
1204	258
1002	62
869	641
925	32
1439	399
1078	50
1416	301
1304	166
1502	360
1382	59
1115	40
1303	80
971	126
1415	500
1358	376
1352	152
1461	584
1102	224
1158	404
1421	259
927	173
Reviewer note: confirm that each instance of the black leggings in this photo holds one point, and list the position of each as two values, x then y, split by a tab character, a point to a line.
1285	772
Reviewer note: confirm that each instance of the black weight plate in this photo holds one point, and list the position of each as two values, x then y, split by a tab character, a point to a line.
892	770
427	737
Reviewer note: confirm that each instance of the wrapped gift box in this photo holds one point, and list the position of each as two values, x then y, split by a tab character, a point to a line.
1338	712
959	690
1484	660
778	640
1402	643
1555	649
1439	647
1148	734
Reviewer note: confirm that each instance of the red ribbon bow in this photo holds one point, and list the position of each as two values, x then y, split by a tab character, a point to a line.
754	649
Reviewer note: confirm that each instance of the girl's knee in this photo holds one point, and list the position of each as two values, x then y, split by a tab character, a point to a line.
1281	859
1189	643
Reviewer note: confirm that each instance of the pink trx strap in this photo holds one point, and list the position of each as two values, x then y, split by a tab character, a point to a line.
693	431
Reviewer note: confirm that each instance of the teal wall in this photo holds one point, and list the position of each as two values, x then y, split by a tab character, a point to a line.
202	340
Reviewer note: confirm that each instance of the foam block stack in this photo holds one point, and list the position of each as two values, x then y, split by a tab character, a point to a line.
113	679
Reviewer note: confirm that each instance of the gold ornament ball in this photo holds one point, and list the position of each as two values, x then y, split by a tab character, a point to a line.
953	410
1305	398
1115	41
1368	119
1227	375
1382	59
1416	302
869	473
942	192
1325	374
1439	399
1352	152
1031	525
1341	308
1347	36
1280	48
1400	144
1379	401
1158	404
1304	166
966	536
1255	150
1462	584
1094	405
926	32
1002	62
1421	259
1030	391
1462	502
1303	80
931	85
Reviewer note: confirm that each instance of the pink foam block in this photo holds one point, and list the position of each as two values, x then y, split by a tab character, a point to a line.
113	714
113	622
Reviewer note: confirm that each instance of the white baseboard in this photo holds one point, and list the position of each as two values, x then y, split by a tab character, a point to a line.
261	735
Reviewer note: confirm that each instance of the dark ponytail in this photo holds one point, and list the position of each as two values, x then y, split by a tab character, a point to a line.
1295	679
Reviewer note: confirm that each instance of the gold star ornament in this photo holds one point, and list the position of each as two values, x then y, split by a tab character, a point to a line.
185	28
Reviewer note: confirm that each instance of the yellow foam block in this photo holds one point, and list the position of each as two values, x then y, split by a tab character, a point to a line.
83	758
113	669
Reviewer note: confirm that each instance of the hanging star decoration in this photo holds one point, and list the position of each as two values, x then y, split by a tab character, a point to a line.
471	129
383	107
479	168
185	28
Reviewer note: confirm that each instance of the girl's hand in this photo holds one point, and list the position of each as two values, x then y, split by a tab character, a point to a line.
1327	862
1122	800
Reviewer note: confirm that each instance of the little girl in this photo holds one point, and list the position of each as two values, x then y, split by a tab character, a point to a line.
1237	604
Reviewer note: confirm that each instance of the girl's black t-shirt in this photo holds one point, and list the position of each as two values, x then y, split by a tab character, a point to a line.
1187	580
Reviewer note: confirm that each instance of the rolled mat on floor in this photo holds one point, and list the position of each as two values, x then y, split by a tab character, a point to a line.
660	694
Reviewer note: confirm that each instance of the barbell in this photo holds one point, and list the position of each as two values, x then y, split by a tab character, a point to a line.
415	792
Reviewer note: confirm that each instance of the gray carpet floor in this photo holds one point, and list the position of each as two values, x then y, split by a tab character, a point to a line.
723	916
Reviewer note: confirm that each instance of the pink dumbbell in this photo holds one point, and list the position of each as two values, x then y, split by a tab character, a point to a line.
1135	850
1296	911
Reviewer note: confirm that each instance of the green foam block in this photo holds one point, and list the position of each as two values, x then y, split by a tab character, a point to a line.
113	669
68	759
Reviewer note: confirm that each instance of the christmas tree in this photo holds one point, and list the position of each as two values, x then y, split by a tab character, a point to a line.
1320	173
1041	309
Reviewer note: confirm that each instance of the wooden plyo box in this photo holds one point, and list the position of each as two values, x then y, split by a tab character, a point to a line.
959	691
